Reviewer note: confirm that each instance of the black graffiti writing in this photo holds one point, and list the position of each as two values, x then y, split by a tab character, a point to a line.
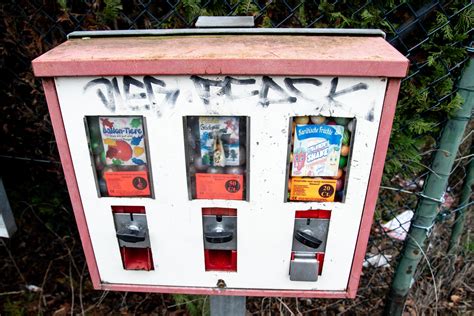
171	95
291	95
146	98
370	114
290	84
109	100
203	87
333	94
135	94
267	85
130	81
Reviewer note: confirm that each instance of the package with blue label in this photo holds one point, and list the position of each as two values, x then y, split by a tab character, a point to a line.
317	150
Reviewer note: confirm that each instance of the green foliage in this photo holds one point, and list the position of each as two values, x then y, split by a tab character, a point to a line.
195	305
266	22
302	13
110	11
192	9
62	4
455	103
15	308
469	247
466	21
244	7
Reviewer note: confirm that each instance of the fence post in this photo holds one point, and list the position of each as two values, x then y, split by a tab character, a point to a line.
464	200
227	305
431	197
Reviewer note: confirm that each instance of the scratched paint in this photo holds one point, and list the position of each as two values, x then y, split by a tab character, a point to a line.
154	94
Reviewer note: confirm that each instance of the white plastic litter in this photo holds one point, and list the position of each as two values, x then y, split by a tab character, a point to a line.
398	226
33	288
377	261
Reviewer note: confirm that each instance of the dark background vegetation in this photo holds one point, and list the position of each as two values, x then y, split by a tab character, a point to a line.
42	268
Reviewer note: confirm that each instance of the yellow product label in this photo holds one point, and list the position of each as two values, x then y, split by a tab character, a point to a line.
110	142
313	190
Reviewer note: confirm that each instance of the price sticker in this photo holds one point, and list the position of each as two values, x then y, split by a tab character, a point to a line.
314	190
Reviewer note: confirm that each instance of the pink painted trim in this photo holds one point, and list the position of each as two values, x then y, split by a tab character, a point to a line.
229	55
215	291
68	168
285	67
383	138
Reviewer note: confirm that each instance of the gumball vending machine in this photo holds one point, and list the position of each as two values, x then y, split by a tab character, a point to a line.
224	161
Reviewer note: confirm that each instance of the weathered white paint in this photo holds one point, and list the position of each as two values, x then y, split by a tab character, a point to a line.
265	222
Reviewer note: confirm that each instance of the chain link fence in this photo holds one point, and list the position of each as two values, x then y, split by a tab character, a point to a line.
432	34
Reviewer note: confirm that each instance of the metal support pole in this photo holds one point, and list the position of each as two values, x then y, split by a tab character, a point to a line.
466	193
431	197
7	221
227	305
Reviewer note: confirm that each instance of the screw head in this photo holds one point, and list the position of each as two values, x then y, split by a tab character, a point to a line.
221	284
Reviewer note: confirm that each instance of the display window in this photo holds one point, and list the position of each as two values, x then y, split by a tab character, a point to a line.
319	158
217	157
118	148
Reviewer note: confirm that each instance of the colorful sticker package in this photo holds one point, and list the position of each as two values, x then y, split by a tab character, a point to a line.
219	138
123	142
317	150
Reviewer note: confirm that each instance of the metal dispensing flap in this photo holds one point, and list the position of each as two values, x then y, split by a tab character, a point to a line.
304	267
132	230
310	234
220	232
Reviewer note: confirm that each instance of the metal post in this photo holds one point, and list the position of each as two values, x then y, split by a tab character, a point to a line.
466	193
227	305
431	197
7	221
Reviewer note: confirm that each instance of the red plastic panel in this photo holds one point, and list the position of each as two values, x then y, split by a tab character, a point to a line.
313	214
320	258
220	260
128	209
219	211
136	258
